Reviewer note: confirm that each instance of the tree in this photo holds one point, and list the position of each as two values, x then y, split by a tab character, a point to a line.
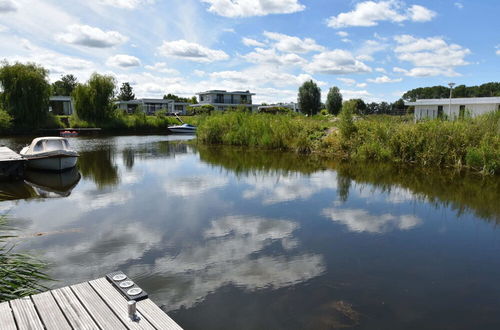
205	109
65	85
93	100
193	100
126	92
334	101
358	106
26	92
309	97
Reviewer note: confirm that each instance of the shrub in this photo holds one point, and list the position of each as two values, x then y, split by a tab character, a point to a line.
276	110
5	120
205	109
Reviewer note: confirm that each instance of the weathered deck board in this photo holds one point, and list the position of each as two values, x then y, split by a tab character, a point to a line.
119	304
25	314
6	317
156	316
49	311
91	305
97	307
74	311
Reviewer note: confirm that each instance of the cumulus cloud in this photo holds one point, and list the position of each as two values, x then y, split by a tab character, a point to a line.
261	75
291	44
337	61
7	6
245	8
126	4
384	80
431	56
347	81
191	51
270	56
123	61
161	67
342	34
355	94
459	5
252	42
360	220
89	36
370	13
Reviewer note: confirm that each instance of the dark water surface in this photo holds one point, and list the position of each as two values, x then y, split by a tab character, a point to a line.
228	238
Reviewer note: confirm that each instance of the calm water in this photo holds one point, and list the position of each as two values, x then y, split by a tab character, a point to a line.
226	238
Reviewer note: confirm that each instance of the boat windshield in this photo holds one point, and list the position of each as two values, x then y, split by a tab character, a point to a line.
51	145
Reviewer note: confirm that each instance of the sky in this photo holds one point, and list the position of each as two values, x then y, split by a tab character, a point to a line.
374	50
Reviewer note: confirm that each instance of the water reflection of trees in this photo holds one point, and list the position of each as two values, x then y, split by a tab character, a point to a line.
462	191
99	165
159	149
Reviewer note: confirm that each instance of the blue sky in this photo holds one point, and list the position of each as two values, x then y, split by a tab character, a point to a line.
375	50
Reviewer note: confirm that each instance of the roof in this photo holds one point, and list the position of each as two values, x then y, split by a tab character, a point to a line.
456	101
60	98
218	91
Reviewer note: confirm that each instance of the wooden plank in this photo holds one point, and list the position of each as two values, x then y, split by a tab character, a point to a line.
118	304
49	311
74	311
25	314
6	318
156	316
101	313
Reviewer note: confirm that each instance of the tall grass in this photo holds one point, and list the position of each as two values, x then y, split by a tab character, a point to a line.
283	132
473	142
132	122
20	274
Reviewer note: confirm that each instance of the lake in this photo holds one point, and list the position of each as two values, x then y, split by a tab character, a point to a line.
232	238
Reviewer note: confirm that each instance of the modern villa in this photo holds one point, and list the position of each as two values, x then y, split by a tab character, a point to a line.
456	108
223	100
151	106
61	105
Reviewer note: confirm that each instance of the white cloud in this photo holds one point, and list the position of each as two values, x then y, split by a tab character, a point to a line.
189	186
125	4
360	220
347	81
245	8
3	28
7	6
361	85
89	36
229	30
269	56
384	80
355	94
498	52
459	5
382	70
191	51
161	67
199	73
291	44
369	13
431	56
342	34
123	61
427	72
252	42
337	61
421	14
260	75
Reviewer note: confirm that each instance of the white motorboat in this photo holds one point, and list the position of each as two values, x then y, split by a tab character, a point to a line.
50	153
182	129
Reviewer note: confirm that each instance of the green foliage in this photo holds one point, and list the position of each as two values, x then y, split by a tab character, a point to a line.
191	100
334	101
20	274
309	98
439	92
205	109
276	110
261	130
126	92
358	106
52	121
346	126
5	120
65	85
93	100
25	95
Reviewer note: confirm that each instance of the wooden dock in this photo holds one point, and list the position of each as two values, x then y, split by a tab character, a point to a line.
11	164
95	304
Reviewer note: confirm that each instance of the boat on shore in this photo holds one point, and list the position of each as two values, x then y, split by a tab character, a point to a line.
182	129
50	153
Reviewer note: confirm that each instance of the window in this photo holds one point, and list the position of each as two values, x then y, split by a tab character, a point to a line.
461	112
219	98
201	98
53	145
440	111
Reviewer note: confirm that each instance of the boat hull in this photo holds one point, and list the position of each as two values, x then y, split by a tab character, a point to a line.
54	163
179	130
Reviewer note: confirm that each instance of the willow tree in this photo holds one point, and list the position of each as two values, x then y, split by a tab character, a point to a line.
309	98
93	100
26	92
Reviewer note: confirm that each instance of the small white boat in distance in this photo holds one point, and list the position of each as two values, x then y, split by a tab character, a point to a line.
50	153
182	129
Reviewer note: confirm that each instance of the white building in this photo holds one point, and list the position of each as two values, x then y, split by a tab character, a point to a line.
292	106
460	107
151	106
223	100
61	105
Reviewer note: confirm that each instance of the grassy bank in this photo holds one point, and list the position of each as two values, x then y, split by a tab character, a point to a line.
20	274
472	143
138	122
